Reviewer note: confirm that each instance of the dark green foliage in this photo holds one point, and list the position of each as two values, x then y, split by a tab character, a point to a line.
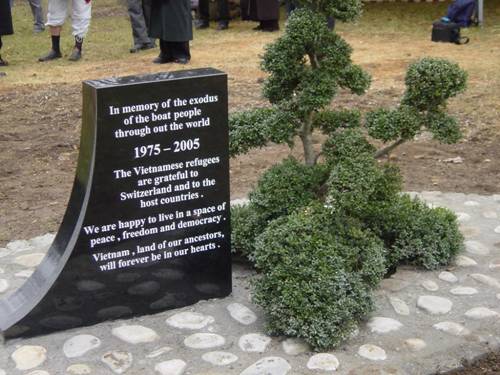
247	130
387	125
342	10
317	275
432	81
346	144
246	225
416	234
331	121
255	128
443	127
286	187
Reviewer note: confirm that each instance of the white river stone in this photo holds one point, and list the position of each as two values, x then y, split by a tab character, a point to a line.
254	342
497	229
430	285
4	285
18	246
463	291
43	242
190	320
476	248
172	367
219	358
39	372
415	345
118	361
452	328
79	345
380	324
241	313
487	280
478	313
79	369
204	341
434	305
28	357
2	372
462	216
490	215
494	264
323	362
268	366
25	274
158	352
29	260
399	306
372	352
295	346
464	261
135	334
448	277
471	203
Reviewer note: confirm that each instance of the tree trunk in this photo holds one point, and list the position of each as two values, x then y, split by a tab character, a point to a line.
384	151
307	143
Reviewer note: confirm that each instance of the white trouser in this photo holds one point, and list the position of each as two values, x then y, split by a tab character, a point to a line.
58	10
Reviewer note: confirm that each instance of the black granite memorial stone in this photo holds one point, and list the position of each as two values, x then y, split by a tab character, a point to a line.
147	225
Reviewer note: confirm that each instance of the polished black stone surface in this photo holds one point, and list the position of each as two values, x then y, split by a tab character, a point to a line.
147	226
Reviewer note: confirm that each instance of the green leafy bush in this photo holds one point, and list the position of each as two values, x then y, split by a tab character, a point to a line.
318	271
286	187
416	234
246	225
430	82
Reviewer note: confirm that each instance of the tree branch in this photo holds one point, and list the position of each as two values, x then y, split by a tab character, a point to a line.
384	151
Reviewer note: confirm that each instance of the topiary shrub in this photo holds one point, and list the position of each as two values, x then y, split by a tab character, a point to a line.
316	279
318	272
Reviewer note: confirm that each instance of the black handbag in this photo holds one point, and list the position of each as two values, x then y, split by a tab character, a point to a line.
448	32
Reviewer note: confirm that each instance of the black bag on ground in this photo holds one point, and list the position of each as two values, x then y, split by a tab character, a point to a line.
448	32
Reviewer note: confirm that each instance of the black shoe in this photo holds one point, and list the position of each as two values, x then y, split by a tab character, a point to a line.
75	55
3	62
199	25
223	25
38	29
269	29
181	60
52	55
163	60
142	47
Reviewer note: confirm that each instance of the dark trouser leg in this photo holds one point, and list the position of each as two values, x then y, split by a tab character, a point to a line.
290	7
165	51
204	11
179	50
138	23
223	8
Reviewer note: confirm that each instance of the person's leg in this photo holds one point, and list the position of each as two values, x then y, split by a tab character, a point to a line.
165	55
138	23
223	11
36	9
2	61
146	11
203	20
82	12
180	52
56	16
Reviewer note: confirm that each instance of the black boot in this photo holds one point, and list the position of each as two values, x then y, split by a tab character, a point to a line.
52	55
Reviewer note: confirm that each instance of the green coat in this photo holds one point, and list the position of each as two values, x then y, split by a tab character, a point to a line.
171	20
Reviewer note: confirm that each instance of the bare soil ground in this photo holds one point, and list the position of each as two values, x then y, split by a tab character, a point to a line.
40	105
